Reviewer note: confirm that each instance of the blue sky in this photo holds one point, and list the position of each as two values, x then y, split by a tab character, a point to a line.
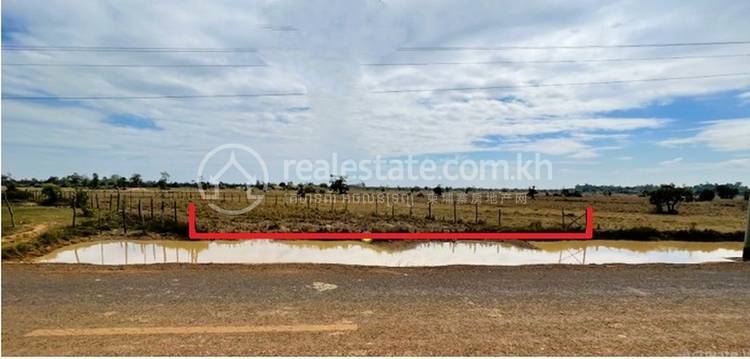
681	131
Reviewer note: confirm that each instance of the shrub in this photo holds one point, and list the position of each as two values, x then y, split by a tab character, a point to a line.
706	195
13	194
52	195
727	191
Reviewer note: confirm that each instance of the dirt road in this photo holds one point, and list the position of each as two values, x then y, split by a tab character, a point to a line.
338	310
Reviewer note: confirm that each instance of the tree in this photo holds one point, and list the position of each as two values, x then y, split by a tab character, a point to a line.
163	180
52	194
94	183
668	197
438	191
338	184
706	195
727	191
135	180
532	192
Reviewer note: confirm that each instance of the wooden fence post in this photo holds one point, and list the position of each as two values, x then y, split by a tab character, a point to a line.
124	220
10	211
152	208
476	213
140	215
454	211
562	218
429	209
73	205
746	247
499	217
175	212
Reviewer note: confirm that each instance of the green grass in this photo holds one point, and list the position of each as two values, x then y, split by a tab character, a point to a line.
27	217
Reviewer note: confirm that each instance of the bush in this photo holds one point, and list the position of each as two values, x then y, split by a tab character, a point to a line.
52	195
706	195
727	191
13	194
82	202
668	197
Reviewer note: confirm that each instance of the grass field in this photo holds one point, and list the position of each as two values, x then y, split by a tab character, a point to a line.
283	211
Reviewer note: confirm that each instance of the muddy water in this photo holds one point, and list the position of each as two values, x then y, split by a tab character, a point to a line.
393	254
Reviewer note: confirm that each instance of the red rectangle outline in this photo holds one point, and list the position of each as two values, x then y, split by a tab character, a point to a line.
537	236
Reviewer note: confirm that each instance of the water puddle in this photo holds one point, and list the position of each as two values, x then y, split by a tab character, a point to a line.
393	254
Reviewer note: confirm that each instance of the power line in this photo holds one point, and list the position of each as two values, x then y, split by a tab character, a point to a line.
509	62
154	97
561	84
292	94
124	49
568	47
134	65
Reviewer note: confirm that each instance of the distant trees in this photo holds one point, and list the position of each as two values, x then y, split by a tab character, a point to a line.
94	183
135	180
568	193
727	191
163	180
706	195
667	198
438	191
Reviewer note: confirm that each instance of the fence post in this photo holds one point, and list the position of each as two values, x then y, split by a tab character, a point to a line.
746	249
162	212
562	217
152	208
454	211
10	210
124	219
110	202
499	217
73	205
476	213
175	212
118	200
140	215
393	210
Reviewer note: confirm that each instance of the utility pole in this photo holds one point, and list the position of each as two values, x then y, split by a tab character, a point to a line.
746	249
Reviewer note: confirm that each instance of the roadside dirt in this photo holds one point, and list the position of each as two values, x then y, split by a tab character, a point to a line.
461	310
28	234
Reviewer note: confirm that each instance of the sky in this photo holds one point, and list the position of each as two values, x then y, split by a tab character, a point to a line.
430	79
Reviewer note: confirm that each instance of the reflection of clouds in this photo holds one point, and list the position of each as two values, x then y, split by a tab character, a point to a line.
392	253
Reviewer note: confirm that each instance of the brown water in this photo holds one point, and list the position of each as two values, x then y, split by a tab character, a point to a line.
393	254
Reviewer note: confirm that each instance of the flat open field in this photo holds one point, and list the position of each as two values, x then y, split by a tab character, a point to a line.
405	211
341	310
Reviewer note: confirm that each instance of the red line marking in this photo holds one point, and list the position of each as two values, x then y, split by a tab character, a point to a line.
537	236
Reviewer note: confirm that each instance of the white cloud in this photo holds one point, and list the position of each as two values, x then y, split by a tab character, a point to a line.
671	162
321	56
722	135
